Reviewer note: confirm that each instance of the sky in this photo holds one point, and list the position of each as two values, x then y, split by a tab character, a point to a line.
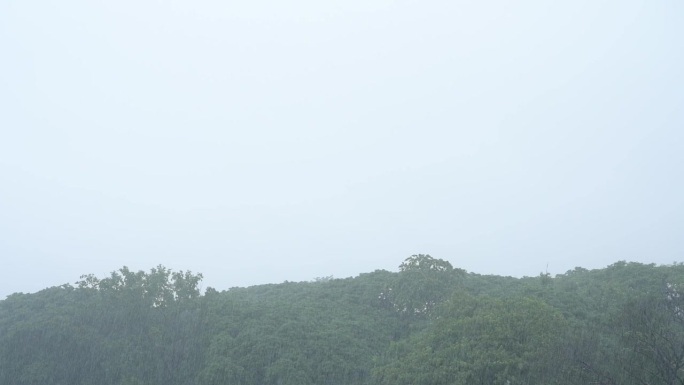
262	141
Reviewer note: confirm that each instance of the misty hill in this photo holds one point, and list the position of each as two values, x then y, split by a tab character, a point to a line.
429	323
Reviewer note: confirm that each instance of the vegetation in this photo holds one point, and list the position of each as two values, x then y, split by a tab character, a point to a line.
428	324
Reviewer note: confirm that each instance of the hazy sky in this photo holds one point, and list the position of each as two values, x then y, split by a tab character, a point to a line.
261	141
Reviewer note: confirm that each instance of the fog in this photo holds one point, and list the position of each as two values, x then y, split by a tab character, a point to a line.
263	141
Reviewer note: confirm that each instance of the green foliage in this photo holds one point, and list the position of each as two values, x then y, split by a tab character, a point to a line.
478	340
428	324
423	283
157	288
424	262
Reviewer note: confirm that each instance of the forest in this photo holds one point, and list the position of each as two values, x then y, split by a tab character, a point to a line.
429	323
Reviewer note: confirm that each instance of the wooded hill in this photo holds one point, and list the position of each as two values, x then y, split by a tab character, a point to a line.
428	324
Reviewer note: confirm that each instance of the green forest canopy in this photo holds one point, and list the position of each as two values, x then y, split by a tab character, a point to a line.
428	324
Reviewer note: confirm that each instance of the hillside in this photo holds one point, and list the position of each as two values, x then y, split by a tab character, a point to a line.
429	323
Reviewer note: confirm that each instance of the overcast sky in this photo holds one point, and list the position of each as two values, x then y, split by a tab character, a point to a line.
261	141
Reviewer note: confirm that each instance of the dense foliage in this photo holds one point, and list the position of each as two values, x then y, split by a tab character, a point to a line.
428	324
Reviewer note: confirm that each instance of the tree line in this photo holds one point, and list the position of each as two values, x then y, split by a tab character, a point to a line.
427	324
